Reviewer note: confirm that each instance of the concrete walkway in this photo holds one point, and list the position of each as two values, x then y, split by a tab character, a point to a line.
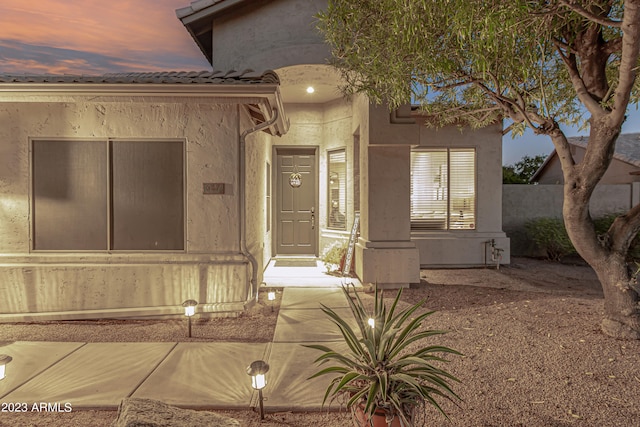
190	375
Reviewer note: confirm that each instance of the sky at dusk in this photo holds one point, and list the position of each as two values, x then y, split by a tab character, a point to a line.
94	37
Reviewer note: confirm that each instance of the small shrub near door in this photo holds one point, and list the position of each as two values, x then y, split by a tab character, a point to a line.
333	254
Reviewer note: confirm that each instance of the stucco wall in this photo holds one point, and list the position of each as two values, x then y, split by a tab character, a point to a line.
337	116
210	268
273	34
522	203
470	247
258	154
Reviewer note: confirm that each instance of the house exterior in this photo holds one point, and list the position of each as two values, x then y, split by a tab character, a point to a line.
624	168
124	195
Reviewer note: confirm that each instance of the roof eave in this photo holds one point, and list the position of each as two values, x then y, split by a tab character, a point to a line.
207	9
267	95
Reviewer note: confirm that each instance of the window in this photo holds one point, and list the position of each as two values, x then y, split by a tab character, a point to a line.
337	189
108	195
443	189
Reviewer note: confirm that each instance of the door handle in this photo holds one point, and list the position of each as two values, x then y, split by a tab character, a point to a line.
313	221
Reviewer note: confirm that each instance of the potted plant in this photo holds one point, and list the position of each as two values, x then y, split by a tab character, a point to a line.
383	378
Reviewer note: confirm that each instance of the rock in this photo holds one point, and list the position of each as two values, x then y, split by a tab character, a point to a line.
135	412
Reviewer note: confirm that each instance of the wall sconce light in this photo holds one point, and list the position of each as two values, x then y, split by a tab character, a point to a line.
4	359
258	370
372	322
271	296
189	310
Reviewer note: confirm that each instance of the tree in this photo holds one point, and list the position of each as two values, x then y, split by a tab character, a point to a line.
523	170
536	63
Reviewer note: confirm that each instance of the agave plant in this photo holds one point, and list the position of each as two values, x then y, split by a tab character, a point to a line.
380	371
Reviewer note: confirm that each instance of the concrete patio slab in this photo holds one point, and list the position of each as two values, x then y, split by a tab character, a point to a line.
297	298
288	387
304	277
308	325
204	376
97	375
30	358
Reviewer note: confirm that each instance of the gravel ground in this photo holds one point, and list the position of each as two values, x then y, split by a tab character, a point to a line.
533	351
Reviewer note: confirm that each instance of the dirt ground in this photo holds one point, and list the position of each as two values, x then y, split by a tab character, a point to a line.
533	351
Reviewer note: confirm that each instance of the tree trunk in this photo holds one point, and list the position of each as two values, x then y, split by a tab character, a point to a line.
604	254
621	314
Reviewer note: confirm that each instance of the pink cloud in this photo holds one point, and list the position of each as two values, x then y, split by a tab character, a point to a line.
142	34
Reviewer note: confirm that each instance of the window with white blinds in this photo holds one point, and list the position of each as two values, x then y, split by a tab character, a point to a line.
443	189
337	186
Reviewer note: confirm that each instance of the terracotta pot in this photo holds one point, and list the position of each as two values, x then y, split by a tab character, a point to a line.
379	419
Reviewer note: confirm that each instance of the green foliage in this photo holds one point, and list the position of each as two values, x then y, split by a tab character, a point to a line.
522	171
551	236
509	176
332	254
380	369
473	62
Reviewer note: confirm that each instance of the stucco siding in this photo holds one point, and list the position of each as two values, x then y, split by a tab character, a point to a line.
210	269
467	248
274	34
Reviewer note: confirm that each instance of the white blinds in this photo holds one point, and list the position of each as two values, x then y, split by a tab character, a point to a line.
337	189
443	189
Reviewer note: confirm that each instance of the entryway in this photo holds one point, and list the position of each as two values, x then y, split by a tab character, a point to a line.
296	204
304	272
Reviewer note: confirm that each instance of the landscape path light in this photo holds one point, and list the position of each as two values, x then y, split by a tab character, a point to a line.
372	322
271	296
258	371
189	310
4	359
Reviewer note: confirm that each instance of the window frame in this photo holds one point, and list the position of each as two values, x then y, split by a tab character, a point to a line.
342	198
423	226
108	188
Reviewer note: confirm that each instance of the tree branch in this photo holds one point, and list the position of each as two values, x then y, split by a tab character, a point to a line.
581	90
628	61
623	230
590	16
563	149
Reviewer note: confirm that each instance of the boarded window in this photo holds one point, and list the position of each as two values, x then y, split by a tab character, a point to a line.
443	189
108	195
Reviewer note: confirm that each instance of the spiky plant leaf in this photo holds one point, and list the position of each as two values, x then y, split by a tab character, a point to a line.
379	369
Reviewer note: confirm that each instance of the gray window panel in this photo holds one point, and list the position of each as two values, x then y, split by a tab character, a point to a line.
69	195
147	195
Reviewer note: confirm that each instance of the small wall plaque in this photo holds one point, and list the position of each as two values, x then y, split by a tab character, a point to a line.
213	188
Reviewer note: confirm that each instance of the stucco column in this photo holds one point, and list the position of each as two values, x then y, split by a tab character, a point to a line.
385	253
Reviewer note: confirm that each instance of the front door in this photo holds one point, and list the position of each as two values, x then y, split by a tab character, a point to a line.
296	207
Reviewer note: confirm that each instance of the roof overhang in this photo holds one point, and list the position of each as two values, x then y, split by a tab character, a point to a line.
260	99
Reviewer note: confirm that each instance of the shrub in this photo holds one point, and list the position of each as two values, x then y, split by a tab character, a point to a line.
550	236
332	254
